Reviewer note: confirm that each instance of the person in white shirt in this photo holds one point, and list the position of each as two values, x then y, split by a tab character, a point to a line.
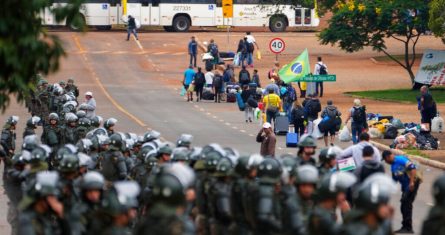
91	102
251	44
356	151
320	69
209	78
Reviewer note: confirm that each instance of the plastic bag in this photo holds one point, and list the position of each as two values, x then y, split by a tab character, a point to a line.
345	135
437	125
183	91
258	55
236	59
257	114
316	133
191	88
138	23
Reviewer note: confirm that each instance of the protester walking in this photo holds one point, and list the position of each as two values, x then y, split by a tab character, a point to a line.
251	44
404	172
256	78
320	69
312	107
91	105
217	86
244	76
427	106
273	105
131	28
358	115
189	75
248	110
212	48
193	50
329	115
199	83
267	139
242	52
298	118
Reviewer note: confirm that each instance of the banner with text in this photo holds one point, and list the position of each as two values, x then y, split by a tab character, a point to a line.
432	68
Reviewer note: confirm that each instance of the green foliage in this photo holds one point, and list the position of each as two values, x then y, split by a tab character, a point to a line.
437	18
365	23
26	49
400	95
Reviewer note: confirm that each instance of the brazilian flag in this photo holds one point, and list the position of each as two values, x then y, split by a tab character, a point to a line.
297	69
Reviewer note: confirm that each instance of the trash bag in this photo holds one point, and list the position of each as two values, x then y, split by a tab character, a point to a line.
236	59
397	123
374	133
317	133
437	125
345	135
183	91
391	133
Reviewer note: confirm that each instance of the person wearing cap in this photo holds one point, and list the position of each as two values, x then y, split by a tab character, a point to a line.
267	139
91	102
358	115
404	171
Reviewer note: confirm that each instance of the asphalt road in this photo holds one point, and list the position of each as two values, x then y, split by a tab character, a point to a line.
138	83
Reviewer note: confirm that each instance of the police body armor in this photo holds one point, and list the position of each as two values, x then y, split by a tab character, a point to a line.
52	136
322	222
219	207
69	135
268	210
291	212
238	196
8	140
113	166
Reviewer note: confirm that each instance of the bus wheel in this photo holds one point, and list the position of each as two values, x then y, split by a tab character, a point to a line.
278	24
168	28
181	24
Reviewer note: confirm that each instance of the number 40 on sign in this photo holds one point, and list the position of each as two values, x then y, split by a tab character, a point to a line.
277	46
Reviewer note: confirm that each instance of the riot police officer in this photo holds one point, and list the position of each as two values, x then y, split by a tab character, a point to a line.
69	131
331	192
328	160
69	171
219	198
31	126
239	192
113	162
185	140
307	146
83	126
267	216
372	212
109	125
8	135
181	155
71	87
42	213
165	217
306	179
52	133
434	223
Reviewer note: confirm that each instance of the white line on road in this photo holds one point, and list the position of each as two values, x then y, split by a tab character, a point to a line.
139	44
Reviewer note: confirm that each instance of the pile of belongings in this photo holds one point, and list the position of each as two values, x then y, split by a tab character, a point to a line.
418	140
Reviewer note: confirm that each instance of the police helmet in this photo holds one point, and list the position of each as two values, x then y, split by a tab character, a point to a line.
110	122
30	142
332	184
185	140
122	197
84	145
84	122
85	161
306	174
269	170
12	120
289	164
33	122
19	158
307	141
53	116
241	167
81	114
181	154
254	161
151	135
40	153
70	117
96	121
328	154
69	163
92	180
376	190
116	142
224	167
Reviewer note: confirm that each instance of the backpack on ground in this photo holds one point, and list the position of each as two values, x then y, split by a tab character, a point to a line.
244	77
359	115
323	69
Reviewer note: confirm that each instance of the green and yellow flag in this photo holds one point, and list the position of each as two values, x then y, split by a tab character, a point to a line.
297	69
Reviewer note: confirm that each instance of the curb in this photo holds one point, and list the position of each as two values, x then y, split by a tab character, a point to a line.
422	160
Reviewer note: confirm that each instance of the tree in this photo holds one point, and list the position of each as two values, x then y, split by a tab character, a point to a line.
26	48
437	18
366	23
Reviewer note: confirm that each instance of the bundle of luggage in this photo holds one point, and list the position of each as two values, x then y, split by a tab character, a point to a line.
414	139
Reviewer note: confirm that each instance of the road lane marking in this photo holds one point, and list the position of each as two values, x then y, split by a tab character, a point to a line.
160	53
139	44
104	90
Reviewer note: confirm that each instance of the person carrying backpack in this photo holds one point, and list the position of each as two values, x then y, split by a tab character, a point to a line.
244	76
248	110
199	83
217	86
288	99
358	116
256	78
311	108
251	43
330	113
298	118
320	69
213	50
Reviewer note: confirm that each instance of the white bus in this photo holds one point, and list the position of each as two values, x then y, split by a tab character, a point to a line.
180	15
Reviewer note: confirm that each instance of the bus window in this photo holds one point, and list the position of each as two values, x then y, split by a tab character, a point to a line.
218	3
307	17
113	3
298	16
155	3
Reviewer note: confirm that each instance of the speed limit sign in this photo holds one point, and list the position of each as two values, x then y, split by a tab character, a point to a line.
277	45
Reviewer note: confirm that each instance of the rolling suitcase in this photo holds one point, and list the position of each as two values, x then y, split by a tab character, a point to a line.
281	125
291	139
240	102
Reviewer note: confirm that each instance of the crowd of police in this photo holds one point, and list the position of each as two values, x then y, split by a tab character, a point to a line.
83	177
